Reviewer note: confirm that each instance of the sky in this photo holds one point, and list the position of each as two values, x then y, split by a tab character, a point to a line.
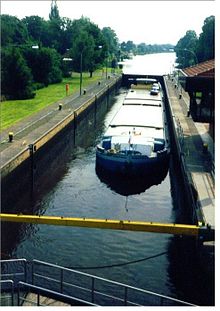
150	22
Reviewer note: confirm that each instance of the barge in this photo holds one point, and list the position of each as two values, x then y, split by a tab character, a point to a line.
136	141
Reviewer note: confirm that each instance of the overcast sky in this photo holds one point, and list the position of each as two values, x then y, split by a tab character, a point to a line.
140	21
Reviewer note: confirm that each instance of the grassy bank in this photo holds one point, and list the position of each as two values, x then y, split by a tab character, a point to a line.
13	111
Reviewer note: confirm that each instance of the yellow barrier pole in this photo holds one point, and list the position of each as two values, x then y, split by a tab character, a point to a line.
179	229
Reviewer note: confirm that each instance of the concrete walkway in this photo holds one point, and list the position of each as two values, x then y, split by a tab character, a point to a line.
199	162
31	301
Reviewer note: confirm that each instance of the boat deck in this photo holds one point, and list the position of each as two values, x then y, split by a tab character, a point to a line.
141	94
144	116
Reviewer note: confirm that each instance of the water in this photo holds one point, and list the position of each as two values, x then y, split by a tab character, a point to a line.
152	64
167	264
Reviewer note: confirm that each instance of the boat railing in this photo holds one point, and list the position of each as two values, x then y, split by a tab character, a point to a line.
73	284
150	104
136	126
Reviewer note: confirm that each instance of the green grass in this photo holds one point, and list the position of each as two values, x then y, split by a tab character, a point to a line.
13	111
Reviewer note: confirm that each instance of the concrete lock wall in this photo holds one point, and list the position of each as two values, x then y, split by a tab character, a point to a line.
187	184
37	169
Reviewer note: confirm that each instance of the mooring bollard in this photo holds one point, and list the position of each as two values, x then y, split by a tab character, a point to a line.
60	106
10	137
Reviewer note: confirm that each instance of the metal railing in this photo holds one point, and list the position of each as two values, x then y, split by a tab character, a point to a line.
78	287
14	269
7	299
39	297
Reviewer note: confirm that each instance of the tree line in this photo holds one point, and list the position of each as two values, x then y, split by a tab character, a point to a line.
143	48
37	52
192	49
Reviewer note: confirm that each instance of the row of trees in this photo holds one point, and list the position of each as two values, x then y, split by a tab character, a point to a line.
34	50
143	48
192	49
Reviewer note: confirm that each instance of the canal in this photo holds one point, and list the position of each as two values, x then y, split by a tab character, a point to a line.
157	262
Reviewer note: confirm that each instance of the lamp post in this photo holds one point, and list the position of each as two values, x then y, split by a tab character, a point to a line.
80	83
81	65
106	65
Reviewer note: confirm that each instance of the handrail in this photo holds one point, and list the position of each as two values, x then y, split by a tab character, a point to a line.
14	274
91	293
11	283
128	287
40	290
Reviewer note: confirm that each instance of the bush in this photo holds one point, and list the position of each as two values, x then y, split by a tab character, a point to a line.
16	76
38	85
44	64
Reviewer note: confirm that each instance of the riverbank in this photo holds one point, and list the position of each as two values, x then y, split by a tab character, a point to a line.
13	111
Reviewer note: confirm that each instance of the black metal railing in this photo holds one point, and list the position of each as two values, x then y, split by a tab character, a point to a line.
78	288
7	297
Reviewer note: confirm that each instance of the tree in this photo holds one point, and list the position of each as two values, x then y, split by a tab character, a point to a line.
186	49
141	48
45	65
55	28
83	45
191	49
54	12
67	35
15	74
88	43
98	52
13	31
37	29
111	40
55	73
206	42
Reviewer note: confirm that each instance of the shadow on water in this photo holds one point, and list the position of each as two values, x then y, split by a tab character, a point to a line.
27	202
24	189
126	185
190	281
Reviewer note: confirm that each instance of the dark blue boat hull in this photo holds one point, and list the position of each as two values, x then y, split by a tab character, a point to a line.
128	178
129	165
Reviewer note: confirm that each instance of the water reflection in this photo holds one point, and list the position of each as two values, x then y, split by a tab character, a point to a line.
128	186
